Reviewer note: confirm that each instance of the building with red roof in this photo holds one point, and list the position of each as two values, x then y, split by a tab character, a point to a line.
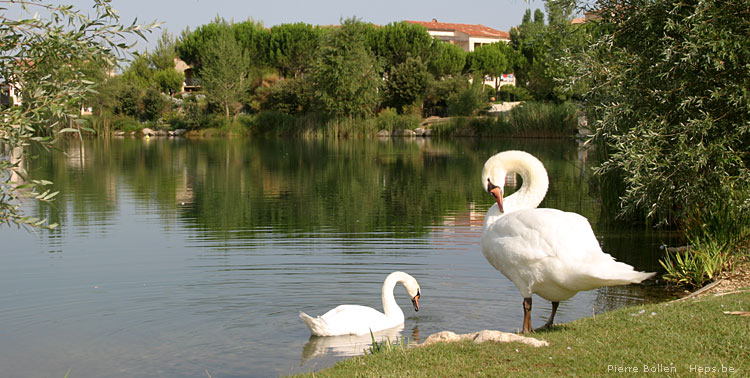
468	36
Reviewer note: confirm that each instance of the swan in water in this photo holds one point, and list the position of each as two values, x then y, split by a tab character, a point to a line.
547	252
360	320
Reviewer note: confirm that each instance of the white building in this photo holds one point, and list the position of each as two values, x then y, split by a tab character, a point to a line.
469	37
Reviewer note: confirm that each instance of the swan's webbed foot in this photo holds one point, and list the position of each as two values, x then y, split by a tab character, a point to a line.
551	317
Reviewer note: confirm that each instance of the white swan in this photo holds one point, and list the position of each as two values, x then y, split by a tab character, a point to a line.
360	320
547	252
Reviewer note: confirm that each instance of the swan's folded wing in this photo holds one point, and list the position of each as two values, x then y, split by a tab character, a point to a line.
551	233
352	319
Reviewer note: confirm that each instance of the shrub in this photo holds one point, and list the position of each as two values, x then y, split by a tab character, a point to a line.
290	96
467	102
389	119
154	104
126	124
512	93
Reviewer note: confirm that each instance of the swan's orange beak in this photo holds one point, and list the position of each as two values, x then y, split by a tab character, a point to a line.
496	192
415	301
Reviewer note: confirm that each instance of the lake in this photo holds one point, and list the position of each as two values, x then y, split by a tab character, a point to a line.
178	257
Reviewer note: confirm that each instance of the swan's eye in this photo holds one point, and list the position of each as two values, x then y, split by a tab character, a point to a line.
490	186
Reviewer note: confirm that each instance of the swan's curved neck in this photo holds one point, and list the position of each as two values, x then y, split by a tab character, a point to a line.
390	307
533	174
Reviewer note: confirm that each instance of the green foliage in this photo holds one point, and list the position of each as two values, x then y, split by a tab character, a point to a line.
156	68
389	119
162	58
169	80
139	73
291	96
447	59
468	101
225	71
407	84
697	266
254	40
529	120
154	104
440	93
293	46
491	60
546	52
126	124
716	236
386	345
345	74
513	93
128	100
396	42
46	56
191	44
672	108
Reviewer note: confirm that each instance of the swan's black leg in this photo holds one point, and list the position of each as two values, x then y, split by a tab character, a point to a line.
551	317
527	315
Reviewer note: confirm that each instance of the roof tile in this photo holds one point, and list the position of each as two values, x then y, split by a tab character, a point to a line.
474	30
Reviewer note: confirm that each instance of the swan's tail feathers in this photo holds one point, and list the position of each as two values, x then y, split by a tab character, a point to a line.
637	277
316	325
611	273
618	273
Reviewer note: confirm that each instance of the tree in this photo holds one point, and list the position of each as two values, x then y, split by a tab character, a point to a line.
447	59
489	60
293	46
162	58
544	49
254	40
191	44
42	56
139	73
345	74
224	71
169	81
670	100
398	41
407	84
154	104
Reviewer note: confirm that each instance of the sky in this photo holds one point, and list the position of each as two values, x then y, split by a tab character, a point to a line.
176	15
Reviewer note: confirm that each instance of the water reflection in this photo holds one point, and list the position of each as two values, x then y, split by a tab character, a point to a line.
346	346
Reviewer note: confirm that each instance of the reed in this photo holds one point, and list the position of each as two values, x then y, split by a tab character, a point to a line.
718	236
529	120
386	345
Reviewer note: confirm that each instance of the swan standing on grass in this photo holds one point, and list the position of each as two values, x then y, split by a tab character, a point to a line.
547	252
360	320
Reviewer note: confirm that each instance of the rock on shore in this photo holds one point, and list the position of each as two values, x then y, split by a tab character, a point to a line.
482	336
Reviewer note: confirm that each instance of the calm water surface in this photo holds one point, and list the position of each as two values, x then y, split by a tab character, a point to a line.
179	257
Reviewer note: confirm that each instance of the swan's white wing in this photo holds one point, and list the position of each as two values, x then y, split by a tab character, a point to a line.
552	253
535	234
354	320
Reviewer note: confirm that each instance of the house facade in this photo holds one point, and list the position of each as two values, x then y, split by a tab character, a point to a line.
191	83
469	37
9	95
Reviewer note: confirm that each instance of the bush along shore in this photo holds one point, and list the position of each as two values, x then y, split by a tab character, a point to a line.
697	336
528	120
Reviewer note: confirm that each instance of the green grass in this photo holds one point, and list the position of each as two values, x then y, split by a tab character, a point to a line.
679	335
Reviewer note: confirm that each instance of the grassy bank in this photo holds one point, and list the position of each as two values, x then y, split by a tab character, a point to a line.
669	339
